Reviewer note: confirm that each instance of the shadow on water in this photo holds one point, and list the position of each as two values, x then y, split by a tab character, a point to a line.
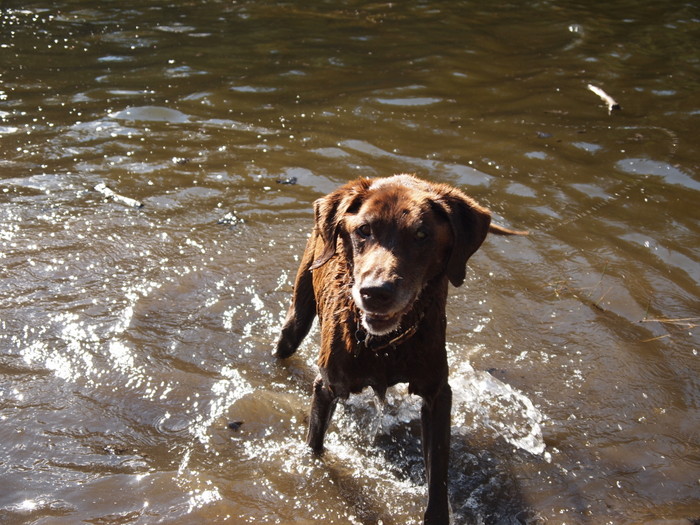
482	485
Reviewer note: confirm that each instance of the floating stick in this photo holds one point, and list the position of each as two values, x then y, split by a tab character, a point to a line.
107	192
611	102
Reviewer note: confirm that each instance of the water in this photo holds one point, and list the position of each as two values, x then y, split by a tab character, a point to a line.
130	337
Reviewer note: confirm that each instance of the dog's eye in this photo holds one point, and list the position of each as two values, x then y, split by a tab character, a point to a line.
365	230
421	234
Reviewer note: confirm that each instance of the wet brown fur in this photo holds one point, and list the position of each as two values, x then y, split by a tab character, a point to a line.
420	237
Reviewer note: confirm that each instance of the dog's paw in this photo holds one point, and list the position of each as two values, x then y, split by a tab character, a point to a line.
283	349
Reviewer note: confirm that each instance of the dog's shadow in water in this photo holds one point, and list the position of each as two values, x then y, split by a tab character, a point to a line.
482	485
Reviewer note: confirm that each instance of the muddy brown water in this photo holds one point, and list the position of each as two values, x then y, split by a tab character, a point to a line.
130	337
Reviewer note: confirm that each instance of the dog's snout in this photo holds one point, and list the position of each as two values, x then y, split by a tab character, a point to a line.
378	296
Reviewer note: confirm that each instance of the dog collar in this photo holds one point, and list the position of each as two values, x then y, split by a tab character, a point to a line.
379	343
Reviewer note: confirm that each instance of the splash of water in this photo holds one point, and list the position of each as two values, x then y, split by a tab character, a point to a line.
483	402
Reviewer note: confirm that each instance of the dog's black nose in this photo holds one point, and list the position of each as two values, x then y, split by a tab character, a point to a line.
378	297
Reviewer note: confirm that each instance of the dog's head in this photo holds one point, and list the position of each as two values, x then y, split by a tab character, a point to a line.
398	233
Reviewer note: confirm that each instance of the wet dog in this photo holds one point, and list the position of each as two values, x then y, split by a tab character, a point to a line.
376	270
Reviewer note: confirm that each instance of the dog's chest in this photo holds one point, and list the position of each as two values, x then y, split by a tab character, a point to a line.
351	366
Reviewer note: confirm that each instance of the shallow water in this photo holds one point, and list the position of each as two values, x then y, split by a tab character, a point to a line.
130	337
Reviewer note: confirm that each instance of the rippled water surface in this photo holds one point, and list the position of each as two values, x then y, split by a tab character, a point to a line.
131	336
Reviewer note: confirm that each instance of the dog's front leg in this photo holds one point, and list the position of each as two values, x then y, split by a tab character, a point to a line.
322	407
435	418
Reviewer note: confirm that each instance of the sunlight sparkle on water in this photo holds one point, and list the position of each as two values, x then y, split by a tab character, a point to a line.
28	505
199	498
227	391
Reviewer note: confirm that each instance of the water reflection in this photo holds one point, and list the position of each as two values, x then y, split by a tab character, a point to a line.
130	338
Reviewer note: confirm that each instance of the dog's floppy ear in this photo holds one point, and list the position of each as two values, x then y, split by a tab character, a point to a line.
470	224
329	212
326	226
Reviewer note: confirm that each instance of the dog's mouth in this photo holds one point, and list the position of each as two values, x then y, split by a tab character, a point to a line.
381	324
377	323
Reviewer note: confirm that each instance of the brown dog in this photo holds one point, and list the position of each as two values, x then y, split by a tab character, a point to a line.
375	271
